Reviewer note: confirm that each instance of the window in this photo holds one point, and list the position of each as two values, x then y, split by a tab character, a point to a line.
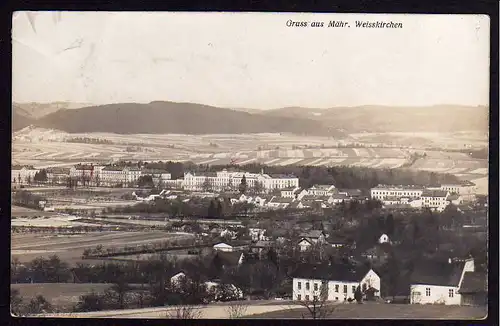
307	297
299	285
353	289
315	298
315	286
336	288
427	292
299	297
307	285
345	288
450	293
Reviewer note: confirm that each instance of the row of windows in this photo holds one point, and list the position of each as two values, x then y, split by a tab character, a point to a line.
451	293
337	287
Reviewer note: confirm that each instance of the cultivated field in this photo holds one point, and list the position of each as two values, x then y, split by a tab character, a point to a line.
70	248
59	294
48	147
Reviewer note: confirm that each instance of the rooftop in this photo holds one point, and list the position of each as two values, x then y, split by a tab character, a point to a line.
474	282
332	272
312	234
434	193
399	187
437	273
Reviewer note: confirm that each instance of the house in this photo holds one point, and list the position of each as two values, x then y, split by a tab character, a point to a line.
256	233
262	247
157	175
455	199
289	192
226	233
379	253
474	289
176	279
436	200
279	202
336	242
321	190
213	286
299	193
57	175
314	236
229	259
341	281
23	174
338	199
466	190
231	246
384	238
439	282
304	244
352	193
380	192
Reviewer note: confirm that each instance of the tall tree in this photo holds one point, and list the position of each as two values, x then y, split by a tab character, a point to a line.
207	185
389	225
243	185
212	210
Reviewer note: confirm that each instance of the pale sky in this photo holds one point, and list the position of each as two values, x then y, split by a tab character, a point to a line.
250	60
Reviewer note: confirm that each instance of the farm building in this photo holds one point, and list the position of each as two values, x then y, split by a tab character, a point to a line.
340	281
439	282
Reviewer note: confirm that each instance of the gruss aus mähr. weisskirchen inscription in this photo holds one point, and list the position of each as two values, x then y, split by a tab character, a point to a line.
344	24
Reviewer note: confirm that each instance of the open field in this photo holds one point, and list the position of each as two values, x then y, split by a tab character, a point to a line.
211	311
386	311
284	310
59	294
70	248
42	148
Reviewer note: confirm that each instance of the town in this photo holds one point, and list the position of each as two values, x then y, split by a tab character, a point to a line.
183	234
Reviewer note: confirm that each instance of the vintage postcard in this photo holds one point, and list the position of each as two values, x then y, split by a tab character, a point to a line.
249	165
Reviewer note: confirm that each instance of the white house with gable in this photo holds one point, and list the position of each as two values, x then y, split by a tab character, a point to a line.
341	283
439	283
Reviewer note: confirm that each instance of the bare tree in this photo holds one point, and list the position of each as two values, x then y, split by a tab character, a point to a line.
318	307
184	312
236	310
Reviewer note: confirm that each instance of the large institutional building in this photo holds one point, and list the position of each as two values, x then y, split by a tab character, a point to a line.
434	198
227	180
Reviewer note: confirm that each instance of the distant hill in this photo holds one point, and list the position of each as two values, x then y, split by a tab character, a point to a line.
20	119
38	110
181	118
445	118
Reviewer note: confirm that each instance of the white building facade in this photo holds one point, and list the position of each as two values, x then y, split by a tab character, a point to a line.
226	180
305	289
440	294
381	192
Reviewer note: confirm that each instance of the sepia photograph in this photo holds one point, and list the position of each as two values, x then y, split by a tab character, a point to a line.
249	165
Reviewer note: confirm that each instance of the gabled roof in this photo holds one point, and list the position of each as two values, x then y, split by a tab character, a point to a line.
339	196
229	258
474	282
332	272
263	244
281	200
312	234
352	192
437	273
434	193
